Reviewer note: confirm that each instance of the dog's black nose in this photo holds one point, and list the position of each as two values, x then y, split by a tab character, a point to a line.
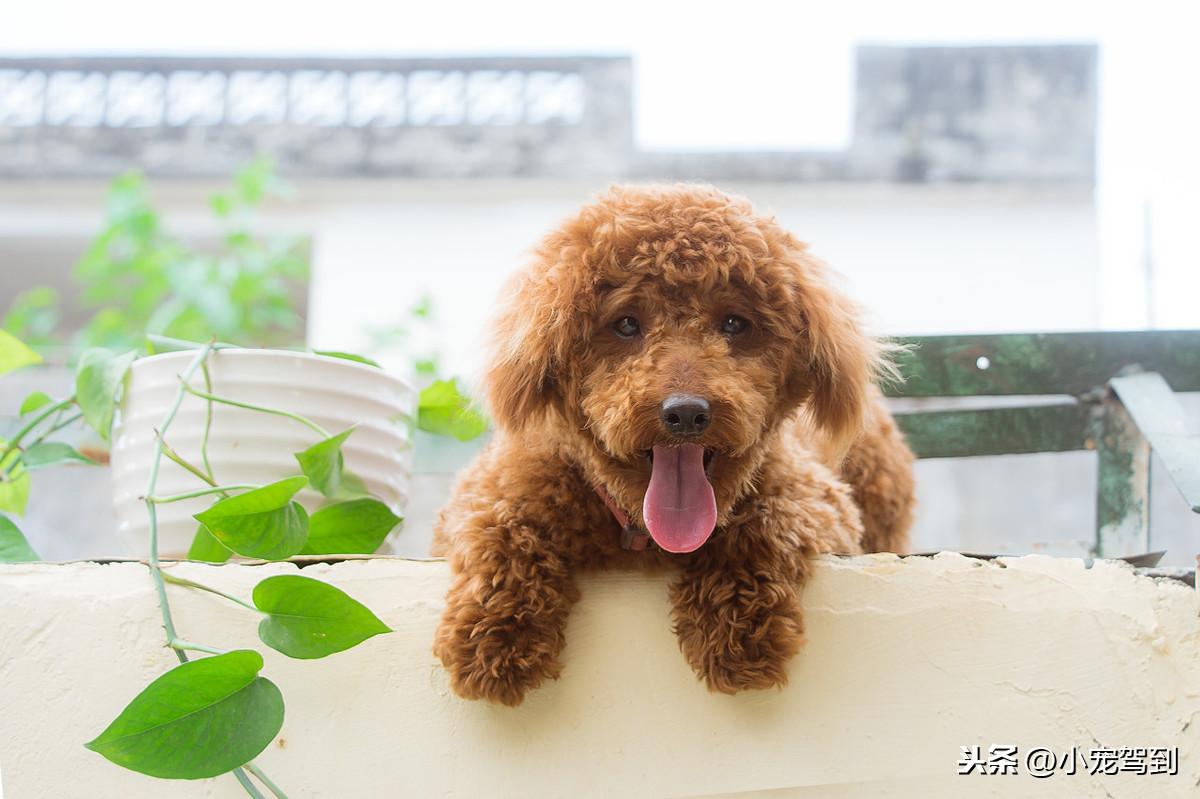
685	414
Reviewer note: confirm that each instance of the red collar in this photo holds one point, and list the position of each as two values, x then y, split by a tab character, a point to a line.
631	536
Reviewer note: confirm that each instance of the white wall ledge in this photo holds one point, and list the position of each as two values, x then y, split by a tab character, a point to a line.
907	661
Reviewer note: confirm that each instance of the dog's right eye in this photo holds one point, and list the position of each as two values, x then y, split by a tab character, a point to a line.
627	327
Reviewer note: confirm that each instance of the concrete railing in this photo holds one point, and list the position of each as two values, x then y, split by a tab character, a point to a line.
913	670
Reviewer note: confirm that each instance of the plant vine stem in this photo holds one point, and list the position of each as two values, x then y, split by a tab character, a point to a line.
199	493
170	578
247	784
175	457
208	414
180	645
14	445
155	569
8	470
160	585
54	428
70	420
265	780
35	421
183	345
226	401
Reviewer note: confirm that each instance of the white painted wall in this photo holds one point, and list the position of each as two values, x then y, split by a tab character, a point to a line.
929	259
906	662
921	259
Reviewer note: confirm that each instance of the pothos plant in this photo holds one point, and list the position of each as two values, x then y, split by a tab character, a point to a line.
213	715
137	277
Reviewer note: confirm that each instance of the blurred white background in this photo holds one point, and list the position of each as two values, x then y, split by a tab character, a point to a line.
758	75
1116	250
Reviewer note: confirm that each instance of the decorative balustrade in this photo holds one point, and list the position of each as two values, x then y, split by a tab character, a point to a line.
922	114
200	116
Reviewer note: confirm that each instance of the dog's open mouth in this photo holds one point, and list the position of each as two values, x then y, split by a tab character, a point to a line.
680	508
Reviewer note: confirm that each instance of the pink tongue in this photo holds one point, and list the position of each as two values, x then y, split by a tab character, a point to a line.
680	508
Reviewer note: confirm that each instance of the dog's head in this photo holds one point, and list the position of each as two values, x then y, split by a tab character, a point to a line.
664	333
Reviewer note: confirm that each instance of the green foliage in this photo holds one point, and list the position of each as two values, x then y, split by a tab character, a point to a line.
14	481
14	353
356	526
97	377
144	280
348	356
200	719
138	278
423	309
352	486
444	410
206	547
308	619
13	546
33	316
51	453
322	463
263	523
212	716
38	399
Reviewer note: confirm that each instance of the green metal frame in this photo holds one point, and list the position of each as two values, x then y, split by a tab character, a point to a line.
1117	398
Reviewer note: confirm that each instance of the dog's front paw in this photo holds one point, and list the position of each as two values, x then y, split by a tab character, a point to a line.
738	631
494	656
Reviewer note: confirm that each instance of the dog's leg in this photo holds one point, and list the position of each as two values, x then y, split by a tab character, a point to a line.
879	467
511	532
738	626
503	627
736	607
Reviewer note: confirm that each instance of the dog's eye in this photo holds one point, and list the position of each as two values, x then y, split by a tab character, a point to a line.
731	325
627	327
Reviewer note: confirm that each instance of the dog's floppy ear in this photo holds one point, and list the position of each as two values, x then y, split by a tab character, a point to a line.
838	363
530	341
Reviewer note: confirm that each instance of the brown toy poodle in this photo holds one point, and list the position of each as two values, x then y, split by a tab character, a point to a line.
676	384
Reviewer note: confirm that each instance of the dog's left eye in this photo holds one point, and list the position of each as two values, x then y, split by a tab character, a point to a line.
627	327
731	325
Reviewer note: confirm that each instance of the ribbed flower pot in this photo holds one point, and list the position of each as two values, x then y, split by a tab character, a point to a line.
251	447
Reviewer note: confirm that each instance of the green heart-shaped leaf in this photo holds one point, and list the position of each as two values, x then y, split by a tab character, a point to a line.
38	399
351	487
355	527
52	453
97	378
207	548
13	546
442	409
264	498
307	618
14	354
200	719
14	482
322	463
348	356
264	523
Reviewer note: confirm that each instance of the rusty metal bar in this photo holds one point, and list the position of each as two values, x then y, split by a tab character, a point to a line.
1161	419
1043	363
1122	482
997	431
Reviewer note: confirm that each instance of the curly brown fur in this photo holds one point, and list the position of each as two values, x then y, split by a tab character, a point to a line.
805	458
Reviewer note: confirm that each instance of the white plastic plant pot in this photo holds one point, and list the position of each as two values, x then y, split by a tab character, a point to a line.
252	447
